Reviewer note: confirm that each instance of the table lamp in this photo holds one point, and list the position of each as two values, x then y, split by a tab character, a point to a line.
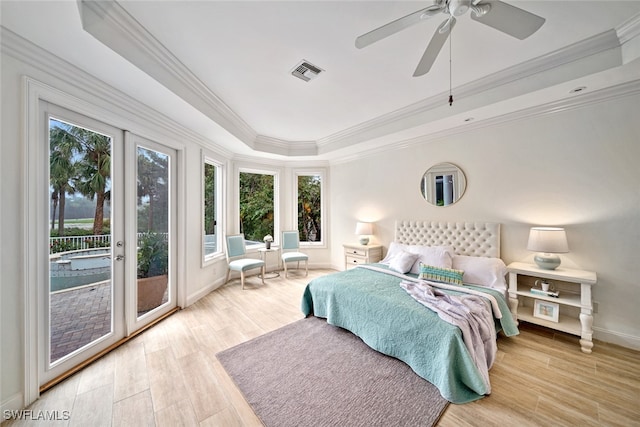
547	241
364	230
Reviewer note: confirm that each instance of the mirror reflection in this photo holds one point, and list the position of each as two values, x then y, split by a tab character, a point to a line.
443	184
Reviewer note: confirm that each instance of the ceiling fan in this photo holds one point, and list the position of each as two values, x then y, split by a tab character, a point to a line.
502	16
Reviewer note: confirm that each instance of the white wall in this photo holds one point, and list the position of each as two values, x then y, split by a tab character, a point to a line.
578	169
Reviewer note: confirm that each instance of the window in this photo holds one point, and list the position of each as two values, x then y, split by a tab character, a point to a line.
310	207
257	206
211	198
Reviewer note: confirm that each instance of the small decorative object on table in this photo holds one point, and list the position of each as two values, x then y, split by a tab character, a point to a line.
546	310
267	241
544	287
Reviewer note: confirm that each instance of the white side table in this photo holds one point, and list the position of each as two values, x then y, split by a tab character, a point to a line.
574	302
264	257
355	254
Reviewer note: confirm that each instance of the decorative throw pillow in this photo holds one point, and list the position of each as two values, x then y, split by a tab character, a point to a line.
437	256
482	271
403	261
439	274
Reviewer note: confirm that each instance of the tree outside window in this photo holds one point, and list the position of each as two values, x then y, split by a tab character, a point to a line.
310	207
257	212
79	183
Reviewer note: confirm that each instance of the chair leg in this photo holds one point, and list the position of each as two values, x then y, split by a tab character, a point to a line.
285	270
264	271
306	267
242	279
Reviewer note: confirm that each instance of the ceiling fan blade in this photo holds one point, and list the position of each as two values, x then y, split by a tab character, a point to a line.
509	19
435	46
396	26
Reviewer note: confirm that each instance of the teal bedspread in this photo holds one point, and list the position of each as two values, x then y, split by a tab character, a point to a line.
374	307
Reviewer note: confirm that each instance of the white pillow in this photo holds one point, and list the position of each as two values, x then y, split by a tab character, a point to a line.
437	256
403	261
394	250
482	271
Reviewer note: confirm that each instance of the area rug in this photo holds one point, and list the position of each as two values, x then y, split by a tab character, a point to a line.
310	373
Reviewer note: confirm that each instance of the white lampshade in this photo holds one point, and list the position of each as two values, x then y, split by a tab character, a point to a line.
364	230
547	241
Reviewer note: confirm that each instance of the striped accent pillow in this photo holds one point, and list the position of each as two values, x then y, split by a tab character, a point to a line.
439	274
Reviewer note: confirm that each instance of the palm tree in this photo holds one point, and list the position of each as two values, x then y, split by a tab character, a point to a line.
94	172
62	168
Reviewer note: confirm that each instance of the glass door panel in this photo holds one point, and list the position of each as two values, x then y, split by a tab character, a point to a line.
81	291
153	229
83	300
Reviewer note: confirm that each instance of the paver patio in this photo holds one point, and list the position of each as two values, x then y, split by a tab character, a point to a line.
78	317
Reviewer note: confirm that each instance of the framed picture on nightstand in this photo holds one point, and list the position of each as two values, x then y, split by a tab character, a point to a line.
546	310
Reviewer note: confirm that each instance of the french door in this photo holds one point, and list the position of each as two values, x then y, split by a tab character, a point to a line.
110	238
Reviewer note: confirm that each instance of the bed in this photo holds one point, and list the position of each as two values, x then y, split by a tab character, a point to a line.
378	303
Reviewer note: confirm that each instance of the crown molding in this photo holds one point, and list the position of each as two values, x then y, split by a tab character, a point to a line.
285	148
629	30
127	111
110	23
113	26
593	54
631	88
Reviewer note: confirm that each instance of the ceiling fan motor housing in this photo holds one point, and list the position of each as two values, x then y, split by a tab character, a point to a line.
459	7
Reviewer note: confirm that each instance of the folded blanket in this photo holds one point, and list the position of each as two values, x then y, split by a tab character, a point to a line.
470	313
497	312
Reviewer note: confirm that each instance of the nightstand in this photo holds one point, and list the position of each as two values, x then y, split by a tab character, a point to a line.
573	307
356	254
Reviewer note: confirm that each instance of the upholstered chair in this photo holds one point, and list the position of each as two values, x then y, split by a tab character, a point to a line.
291	251
236	251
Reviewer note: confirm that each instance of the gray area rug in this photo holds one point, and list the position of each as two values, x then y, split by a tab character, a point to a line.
310	373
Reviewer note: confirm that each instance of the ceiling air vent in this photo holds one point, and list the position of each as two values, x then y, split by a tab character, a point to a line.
306	71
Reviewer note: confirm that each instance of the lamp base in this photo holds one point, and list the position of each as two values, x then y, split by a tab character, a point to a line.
364	240
547	261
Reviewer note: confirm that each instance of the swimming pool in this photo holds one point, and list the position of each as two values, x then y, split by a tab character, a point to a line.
78	268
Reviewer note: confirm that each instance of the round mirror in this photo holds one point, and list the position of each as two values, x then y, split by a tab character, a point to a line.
443	184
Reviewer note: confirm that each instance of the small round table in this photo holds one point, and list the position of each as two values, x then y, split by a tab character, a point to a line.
263	256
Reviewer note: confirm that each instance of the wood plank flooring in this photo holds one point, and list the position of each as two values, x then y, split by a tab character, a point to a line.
169	376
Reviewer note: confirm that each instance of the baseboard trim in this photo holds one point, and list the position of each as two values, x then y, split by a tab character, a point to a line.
617	338
219	282
204	291
13	403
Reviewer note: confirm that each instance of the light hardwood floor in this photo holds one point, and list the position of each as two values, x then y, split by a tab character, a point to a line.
169	375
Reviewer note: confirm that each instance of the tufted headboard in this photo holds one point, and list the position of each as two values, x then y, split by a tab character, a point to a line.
467	238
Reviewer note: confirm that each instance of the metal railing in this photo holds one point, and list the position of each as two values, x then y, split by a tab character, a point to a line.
72	243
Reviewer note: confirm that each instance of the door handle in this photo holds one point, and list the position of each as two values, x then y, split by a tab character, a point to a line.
119	257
